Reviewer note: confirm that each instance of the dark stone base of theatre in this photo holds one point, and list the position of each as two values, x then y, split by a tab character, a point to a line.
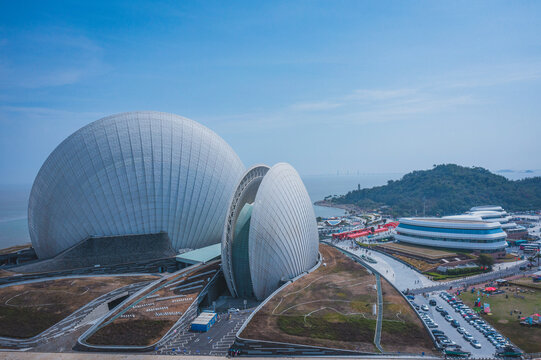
106	251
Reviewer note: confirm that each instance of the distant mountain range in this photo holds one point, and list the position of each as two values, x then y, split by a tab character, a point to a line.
444	190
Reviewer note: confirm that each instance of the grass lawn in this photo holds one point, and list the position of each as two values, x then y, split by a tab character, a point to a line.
421	251
526	282
527	338
143	327
440	277
141	332
416	263
331	326
332	307
27	310
401	330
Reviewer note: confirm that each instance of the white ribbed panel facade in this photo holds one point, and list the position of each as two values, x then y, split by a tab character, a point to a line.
283	233
283	239
455	233
245	193
134	173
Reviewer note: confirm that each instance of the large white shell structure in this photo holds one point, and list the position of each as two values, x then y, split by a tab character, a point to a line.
134	173
270	235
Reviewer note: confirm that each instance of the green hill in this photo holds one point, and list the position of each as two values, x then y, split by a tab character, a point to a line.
447	189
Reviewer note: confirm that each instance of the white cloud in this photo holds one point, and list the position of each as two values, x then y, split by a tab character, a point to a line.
316	106
39	63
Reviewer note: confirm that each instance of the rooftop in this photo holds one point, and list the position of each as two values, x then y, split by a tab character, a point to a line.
459	221
202	255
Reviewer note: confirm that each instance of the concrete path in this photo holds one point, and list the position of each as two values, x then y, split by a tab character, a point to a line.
86	356
405	278
377	335
400	275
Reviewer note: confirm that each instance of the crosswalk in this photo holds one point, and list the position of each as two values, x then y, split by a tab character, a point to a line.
215	342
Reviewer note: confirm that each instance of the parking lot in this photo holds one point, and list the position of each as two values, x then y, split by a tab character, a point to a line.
486	350
215	342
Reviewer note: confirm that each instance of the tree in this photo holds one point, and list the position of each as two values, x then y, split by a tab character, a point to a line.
485	261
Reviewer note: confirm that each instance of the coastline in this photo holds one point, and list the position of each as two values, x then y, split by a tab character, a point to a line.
349	208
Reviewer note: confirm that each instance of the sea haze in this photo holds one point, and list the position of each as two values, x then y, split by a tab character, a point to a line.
14	199
13	215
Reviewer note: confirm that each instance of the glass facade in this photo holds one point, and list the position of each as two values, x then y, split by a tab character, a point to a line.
451	230
241	263
469	240
282	241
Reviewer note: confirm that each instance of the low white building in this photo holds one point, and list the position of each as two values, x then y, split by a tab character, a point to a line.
460	233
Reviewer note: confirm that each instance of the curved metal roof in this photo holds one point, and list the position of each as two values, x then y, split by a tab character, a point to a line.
134	173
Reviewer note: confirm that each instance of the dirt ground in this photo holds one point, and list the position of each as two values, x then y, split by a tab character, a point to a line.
425	252
402	329
5	273
140	324
416	263
331	307
506	311
27	310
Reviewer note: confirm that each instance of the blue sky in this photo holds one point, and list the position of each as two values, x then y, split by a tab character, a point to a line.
328	86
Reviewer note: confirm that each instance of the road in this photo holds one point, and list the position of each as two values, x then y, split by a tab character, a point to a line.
5	355
216	341
487	350
477	279
404	277
400	275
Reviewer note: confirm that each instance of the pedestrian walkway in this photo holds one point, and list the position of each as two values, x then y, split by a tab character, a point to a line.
377	335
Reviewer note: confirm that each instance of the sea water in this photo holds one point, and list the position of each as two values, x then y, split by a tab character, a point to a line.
320	186
13	215
14	199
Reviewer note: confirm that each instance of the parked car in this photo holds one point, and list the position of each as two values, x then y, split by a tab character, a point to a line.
455	323
424	307
432	302
445	342
476	344
460	330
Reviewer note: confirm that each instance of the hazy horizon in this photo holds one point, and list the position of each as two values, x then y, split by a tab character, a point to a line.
330	87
